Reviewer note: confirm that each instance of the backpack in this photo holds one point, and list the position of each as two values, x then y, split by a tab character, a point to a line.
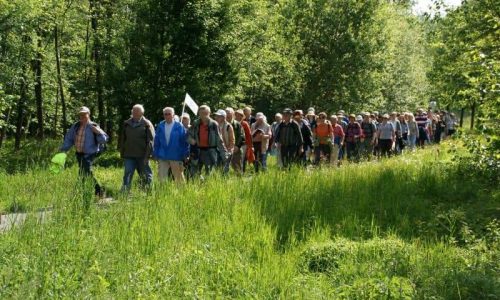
101	147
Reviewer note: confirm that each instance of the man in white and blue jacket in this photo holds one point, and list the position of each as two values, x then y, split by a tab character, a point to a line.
171	147
88	140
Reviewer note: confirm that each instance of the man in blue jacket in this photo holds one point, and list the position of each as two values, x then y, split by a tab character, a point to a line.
171	147
88	139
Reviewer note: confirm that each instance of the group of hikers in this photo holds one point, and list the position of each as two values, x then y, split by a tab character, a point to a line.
233	139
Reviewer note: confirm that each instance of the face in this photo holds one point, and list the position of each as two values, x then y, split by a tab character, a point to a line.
247	112
321	119
287	117
169	116
352	120
136	113
84	117
277	119
366	118
334	120
229	115
297	117
220	119
186	122
239	117
259	120
384	120
204	113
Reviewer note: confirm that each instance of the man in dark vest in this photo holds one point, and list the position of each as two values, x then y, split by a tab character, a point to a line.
136	144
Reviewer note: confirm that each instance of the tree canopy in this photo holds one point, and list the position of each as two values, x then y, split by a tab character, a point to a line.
354	55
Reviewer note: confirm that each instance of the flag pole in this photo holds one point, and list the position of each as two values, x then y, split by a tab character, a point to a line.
183	108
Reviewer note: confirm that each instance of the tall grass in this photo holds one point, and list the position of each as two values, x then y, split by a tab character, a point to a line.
401	228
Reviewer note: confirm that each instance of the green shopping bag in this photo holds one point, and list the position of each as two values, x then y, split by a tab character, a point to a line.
57	163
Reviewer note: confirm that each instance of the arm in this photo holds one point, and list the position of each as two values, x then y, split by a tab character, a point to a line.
230	135
185	142
101	136
123	139
69	140
299	134
150	139
374	137
156	143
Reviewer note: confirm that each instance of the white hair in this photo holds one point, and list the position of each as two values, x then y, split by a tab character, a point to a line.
139	107
205	107
186	115
230	110
170	109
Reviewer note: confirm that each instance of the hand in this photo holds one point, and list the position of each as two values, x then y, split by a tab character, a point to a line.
301	149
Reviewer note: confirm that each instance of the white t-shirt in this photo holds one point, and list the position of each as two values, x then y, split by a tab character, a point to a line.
168	130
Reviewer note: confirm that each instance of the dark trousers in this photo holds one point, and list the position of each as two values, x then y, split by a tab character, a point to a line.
289	155
385	147
326	149
85	162
208	159
352	151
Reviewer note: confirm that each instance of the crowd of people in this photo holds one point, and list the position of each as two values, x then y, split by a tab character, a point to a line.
236	139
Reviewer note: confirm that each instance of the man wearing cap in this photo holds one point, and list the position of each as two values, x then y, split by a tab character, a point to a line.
88	138
205	134
171	147
227	133
306	132
239	140
247	149
289	138
136	145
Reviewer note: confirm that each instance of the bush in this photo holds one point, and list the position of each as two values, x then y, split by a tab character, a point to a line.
482	162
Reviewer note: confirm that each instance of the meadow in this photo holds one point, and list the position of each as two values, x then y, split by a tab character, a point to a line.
409	227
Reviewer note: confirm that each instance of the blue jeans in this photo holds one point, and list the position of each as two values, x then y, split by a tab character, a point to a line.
143	169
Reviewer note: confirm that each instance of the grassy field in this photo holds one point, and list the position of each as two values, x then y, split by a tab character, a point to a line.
404	228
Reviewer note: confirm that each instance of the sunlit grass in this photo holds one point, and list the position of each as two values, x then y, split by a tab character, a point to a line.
400	228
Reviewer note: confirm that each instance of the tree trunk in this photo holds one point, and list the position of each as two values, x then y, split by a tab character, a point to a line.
3	130
472	114
462	112
20	110
37	69
59	79
95	9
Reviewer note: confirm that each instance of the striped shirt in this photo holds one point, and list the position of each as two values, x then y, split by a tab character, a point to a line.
421	121
289	134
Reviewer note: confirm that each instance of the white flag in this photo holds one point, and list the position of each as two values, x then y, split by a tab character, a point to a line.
191	104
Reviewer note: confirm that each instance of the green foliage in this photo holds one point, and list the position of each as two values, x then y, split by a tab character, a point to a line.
482	160
377	230
465	47
268	54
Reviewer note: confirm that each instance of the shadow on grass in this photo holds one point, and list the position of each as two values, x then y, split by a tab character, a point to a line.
426	202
